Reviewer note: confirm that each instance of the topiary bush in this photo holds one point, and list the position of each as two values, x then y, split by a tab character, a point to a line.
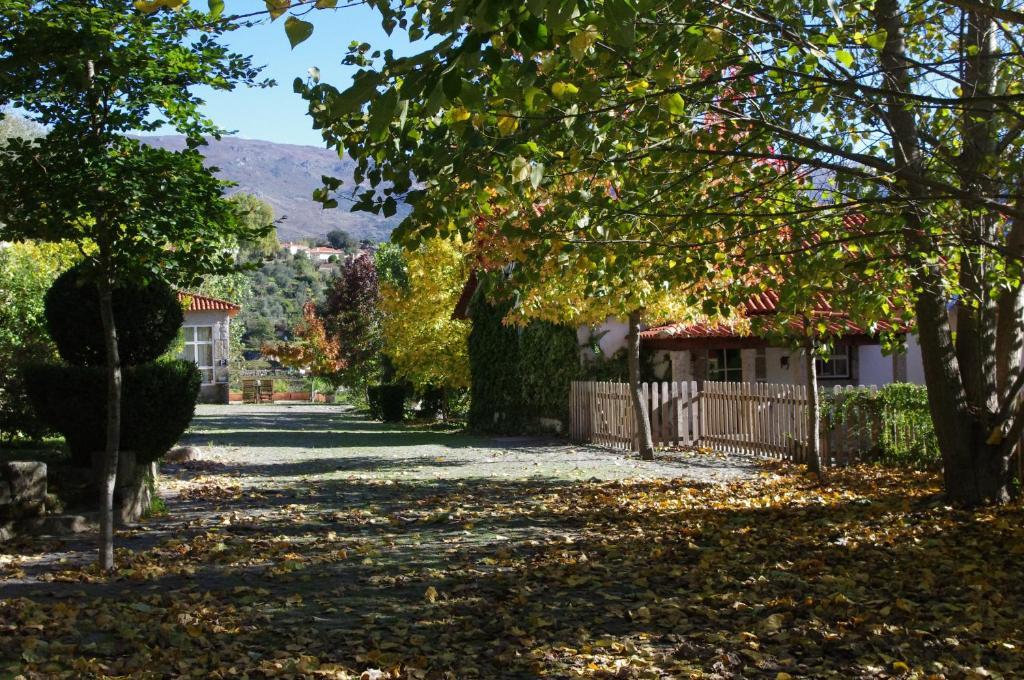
387	402
157	404
549	360
148	319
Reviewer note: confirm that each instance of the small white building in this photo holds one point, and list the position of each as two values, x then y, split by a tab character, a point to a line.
207	331
294	248
720	352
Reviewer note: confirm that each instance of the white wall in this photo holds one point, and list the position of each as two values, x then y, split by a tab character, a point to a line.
875	368
915	367
612	341
220	321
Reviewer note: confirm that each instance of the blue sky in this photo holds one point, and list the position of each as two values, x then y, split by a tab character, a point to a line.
278	114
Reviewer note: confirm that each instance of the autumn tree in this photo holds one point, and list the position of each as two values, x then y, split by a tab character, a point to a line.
350	315
739	136
425	344
312	350
92	72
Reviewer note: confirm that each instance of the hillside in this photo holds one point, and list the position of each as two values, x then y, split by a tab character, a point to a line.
285	175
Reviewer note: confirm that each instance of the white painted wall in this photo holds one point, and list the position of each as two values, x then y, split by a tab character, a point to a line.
221	323
612	341
915	366
875	368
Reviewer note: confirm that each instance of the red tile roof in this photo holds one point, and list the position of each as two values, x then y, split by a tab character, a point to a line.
205	303
766	304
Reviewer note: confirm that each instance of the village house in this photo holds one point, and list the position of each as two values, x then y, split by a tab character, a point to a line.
207	331
728	353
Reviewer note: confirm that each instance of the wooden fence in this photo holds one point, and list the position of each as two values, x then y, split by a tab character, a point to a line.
755	418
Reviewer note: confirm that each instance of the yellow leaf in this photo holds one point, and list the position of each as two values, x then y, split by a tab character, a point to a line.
431	595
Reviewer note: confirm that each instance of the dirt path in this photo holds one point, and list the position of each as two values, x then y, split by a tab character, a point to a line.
312	518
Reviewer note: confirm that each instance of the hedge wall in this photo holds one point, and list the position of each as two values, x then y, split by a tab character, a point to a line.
495	383
549	360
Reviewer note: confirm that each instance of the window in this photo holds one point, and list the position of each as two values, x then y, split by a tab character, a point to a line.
760	365
725	365
199	349
836	366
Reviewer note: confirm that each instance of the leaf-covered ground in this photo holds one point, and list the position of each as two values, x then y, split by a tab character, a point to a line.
775	576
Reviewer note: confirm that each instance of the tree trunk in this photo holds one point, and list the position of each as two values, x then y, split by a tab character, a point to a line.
813	414
109	478
960	397
643	421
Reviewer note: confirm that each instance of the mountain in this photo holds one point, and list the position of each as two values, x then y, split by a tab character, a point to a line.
285	175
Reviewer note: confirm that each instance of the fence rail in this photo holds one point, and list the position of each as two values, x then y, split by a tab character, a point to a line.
755	418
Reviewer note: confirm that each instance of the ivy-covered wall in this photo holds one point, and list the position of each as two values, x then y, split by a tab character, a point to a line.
518	374
549	357
495	381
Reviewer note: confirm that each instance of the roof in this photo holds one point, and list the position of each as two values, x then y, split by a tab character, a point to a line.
766	304
461	311
324	249
205	303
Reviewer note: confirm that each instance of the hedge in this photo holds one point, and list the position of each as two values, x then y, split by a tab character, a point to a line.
157	405
148	320
387	402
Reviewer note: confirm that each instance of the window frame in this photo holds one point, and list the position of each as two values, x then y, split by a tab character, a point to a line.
725	372
195	343
838	352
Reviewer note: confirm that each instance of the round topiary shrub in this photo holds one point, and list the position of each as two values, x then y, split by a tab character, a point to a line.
148	319
157	404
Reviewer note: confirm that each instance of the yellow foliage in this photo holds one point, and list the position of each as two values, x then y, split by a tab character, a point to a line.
426	345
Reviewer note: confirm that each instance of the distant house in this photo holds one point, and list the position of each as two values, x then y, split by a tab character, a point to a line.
207	331
324	254
294	248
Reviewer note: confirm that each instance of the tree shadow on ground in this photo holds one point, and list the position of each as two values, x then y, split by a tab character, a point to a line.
489	578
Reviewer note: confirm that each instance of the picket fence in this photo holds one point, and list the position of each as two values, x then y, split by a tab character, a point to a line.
755	418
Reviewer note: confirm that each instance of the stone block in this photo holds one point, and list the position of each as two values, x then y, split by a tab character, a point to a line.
25	494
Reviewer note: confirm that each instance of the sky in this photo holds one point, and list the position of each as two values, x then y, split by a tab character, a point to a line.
278	114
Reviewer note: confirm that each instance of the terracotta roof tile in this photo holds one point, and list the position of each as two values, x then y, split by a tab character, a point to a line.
205	303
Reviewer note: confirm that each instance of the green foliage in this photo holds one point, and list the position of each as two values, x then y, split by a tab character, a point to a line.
258	216
148	318
896	418
157	404
387	402
27	270
278	290
391	265
494	364
549	360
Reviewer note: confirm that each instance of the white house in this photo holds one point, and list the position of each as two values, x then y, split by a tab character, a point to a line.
703	351
207	331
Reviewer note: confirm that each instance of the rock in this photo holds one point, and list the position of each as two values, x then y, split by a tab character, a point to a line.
22	489
181	454
59	525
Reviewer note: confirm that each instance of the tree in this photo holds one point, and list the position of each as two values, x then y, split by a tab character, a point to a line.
93	72
740	137
341	239
312	350
26	272
351	316
425	344
258	216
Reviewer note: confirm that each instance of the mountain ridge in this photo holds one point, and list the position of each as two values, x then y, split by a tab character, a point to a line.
285	175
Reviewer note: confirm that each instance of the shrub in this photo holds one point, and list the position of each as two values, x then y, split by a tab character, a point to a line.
549	362
387	402
895	419
148	320
157	404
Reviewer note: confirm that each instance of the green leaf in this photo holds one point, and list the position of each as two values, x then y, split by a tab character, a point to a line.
297	30
326	4
674	104
216	8
275	8
845	57
621	21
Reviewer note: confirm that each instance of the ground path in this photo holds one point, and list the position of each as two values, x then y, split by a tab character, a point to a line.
312	518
